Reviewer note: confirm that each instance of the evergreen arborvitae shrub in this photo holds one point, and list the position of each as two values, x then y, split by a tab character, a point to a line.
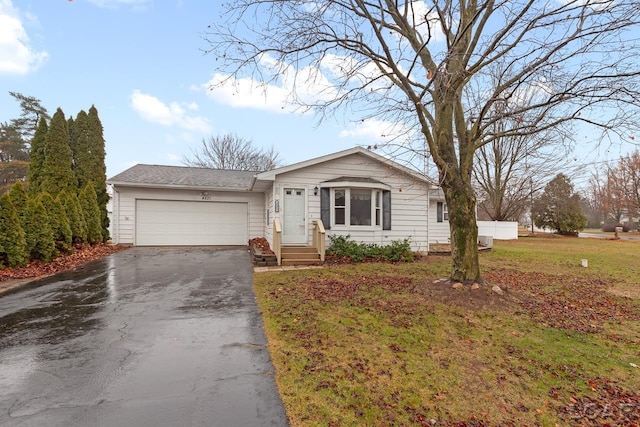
36	156
59	222
99	178
13	252
69	202
88	148
71	128
18	196
89	204
57	172
39	236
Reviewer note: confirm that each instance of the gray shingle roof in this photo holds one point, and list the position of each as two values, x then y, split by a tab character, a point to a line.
181	176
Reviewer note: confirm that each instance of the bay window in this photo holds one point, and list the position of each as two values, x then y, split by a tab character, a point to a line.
357	207
355	203
340	207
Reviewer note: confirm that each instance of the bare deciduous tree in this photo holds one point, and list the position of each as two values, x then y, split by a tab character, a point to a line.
616	193
511	171
430	65
232	152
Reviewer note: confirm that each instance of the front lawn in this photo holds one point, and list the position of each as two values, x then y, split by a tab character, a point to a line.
382	344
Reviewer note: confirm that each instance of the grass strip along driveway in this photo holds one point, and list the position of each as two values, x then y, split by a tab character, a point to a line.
386	345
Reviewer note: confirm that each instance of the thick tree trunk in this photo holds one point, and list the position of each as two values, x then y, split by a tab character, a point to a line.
461	201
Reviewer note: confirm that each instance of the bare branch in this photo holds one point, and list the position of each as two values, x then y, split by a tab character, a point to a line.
232	153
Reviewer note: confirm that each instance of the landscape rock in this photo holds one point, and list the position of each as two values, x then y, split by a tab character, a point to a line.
475	285
497	290
457	285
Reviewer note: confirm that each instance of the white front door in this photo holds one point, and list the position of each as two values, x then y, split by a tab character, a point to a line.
294	230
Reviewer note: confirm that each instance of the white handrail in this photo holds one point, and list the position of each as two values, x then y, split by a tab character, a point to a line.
319	241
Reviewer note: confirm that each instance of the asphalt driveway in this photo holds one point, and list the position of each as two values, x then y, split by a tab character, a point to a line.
144	337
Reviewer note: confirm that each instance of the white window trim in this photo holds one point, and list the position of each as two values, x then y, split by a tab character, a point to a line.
347	209
445	212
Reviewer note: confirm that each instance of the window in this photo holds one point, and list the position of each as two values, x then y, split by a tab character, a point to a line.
360	207
442	212
339	207
378	211
357	207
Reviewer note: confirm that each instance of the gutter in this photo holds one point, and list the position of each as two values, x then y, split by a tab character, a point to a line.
178	187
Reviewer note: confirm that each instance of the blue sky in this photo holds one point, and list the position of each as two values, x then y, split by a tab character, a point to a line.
141	63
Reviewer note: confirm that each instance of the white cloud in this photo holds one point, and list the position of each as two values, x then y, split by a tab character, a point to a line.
153	110
292	88
246	93
16	54
426	21
375	130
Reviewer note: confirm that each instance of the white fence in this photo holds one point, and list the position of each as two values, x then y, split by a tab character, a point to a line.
499	230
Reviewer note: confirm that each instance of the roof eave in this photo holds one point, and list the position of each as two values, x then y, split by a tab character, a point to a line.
176	186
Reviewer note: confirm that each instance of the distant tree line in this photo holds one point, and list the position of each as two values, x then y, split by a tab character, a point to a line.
59	199
613	194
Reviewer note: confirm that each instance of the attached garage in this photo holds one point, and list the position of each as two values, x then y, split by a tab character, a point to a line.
190	223
157	205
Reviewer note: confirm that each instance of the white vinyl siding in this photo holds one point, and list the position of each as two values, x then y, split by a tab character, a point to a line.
439	232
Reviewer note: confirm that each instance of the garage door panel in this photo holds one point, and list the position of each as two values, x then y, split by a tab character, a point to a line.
171	223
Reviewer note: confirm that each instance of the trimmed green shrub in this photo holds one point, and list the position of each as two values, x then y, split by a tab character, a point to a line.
69	202
39	236
343	246
59	222
18	196
13	246
91	211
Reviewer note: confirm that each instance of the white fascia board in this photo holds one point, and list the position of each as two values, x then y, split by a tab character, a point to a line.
177	187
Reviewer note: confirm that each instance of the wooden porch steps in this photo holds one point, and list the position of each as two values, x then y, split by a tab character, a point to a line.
299	255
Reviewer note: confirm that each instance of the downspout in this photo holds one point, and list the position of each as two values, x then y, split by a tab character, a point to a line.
116	217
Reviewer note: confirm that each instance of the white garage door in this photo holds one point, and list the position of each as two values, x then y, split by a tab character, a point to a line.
175	223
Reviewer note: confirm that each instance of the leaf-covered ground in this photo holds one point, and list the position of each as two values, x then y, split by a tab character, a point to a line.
81	255
383	344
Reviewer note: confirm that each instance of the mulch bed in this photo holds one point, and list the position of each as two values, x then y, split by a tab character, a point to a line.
81	255
262	244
